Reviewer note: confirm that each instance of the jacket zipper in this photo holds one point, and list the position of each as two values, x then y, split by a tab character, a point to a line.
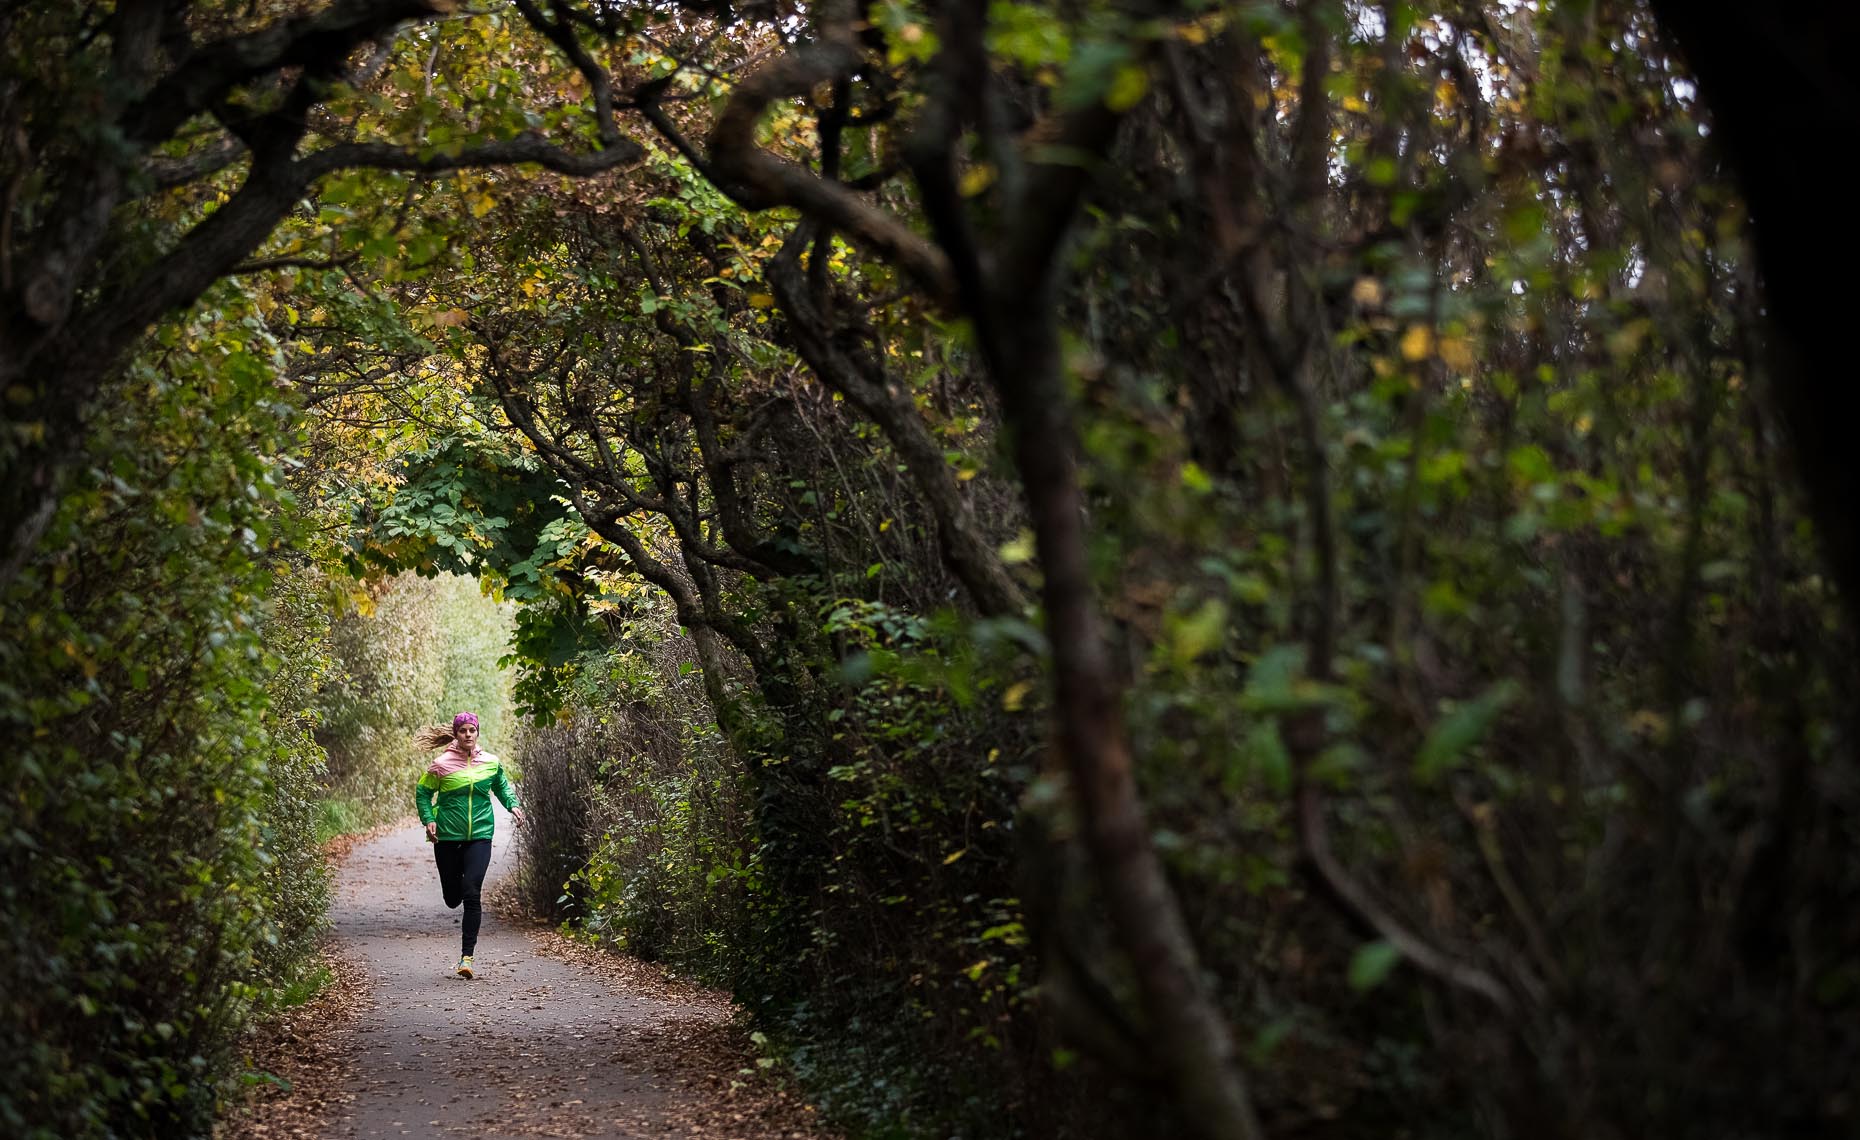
470	822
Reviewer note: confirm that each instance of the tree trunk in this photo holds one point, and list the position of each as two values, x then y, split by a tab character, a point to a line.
1780	90
1184	1030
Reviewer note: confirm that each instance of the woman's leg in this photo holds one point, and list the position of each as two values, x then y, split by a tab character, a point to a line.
474	860
450	856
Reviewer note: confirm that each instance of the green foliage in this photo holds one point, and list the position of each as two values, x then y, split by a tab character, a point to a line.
1469	635
463	506
1460	729
295	885
1371	964
387	678
649	842
426	649
1425	509
339	817
476	632
158	873
670	856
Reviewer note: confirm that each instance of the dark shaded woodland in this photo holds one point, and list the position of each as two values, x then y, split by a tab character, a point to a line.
1242	569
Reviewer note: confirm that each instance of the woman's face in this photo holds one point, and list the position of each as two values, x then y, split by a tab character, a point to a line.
466	735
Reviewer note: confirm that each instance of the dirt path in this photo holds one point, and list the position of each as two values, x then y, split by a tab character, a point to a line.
545	1042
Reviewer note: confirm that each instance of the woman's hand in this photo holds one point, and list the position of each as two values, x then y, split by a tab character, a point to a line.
522	820
432	832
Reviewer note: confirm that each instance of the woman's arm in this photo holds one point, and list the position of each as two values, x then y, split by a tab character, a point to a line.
507	795
423	803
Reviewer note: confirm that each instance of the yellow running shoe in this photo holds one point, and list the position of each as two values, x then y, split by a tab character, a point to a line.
464	970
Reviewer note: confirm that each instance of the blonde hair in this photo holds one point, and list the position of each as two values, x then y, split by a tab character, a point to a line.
433	736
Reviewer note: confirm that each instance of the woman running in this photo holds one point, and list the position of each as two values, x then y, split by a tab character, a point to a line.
454	801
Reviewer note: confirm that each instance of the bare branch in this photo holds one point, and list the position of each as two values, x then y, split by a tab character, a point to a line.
167	173
561	33
964	547
267	264
320	42
528	147
758	180
1355	900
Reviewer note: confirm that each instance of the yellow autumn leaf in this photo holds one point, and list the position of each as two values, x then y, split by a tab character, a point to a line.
1201	31
1417	343
976	179
1018	549
761	300
1457	351
1128	87
1647	722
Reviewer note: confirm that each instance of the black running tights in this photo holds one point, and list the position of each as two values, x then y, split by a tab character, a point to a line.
462	864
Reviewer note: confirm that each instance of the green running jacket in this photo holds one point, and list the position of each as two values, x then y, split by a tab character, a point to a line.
461	801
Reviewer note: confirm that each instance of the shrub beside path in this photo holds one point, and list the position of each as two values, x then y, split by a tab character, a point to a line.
550	1040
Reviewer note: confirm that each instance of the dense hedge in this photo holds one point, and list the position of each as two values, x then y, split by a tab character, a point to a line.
170	669
159	880
639	819
900	987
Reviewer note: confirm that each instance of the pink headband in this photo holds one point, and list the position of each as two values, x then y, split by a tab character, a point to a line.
463	719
